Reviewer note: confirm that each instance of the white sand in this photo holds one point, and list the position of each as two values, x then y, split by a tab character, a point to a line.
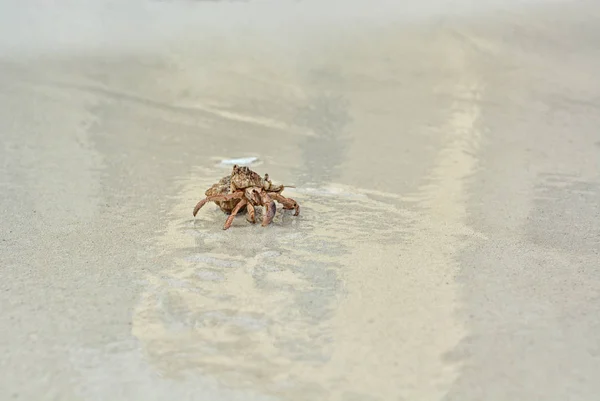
446	158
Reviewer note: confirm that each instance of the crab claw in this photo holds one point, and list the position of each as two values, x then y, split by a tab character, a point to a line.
271	209
253	195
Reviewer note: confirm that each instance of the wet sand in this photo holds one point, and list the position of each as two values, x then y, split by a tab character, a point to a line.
446	160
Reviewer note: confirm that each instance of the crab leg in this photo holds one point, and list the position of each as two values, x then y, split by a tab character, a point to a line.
271	209
288	203
237	195
235	211
251	216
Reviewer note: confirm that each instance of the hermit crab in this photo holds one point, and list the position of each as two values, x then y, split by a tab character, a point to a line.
242	191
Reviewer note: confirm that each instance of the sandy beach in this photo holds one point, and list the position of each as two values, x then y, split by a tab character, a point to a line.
446	158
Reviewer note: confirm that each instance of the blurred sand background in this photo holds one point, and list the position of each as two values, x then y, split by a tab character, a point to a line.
446	156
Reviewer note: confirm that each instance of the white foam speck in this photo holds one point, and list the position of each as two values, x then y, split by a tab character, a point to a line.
242	161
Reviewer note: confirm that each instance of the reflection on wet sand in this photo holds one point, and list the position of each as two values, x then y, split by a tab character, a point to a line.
260	313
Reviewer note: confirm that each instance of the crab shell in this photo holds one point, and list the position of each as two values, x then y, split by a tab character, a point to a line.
243	178
223	187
